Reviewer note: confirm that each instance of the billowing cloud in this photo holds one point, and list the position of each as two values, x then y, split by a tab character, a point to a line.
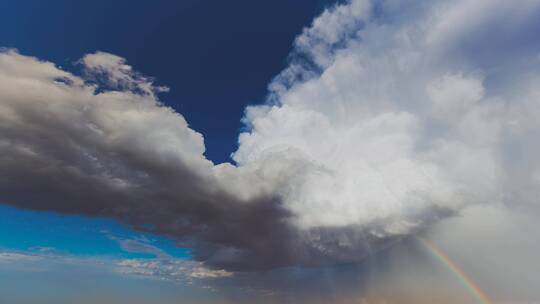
104	145
400	119
390	116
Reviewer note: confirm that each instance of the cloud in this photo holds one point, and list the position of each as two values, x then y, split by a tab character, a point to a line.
160	268
203	273
10	257
117	74
403	124
388	119
136	246
174	270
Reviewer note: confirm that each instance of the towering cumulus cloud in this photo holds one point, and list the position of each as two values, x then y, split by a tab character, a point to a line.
390	116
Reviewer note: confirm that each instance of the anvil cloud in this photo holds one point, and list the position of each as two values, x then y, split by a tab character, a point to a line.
390	116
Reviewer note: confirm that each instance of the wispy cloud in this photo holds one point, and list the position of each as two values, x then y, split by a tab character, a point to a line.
162	268
140	245
10	257
171	269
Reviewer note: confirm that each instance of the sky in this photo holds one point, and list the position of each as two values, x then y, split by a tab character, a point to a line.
356	151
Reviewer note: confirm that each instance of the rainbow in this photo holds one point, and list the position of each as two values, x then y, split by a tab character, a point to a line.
460	274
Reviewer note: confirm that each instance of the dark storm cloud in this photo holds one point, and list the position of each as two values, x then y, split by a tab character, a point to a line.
70	148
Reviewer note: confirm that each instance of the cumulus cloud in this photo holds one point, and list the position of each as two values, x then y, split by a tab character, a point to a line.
390	116
404	123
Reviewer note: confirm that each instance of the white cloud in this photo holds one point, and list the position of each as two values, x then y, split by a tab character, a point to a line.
118	74
206	273
399	122
170	269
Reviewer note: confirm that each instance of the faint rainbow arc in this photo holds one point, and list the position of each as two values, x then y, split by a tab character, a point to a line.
460	274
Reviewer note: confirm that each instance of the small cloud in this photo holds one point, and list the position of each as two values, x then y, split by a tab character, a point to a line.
173	270
138	245
206	273
42	249
135	246
6	257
